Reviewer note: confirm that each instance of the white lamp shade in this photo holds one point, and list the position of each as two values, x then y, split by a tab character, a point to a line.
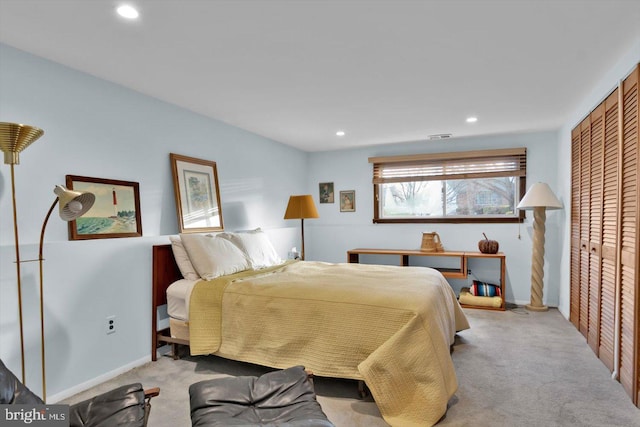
540	195
73	204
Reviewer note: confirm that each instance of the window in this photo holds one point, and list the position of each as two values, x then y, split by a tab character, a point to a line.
472	186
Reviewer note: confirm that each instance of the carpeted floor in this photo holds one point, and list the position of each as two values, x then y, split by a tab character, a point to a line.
515	368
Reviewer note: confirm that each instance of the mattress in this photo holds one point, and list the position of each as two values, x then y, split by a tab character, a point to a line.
178	295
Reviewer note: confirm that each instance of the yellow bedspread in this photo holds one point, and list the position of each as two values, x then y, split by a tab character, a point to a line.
391	326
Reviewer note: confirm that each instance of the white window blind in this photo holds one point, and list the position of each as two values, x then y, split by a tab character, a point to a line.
461	165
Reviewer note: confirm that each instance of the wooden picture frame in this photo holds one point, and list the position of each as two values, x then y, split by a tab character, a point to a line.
325	192
115	213
195	185
348	201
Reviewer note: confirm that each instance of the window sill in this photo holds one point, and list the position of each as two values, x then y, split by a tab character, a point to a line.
442	220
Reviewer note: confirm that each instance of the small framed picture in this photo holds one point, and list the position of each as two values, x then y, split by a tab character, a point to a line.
195	184
348	201
326	192
115	213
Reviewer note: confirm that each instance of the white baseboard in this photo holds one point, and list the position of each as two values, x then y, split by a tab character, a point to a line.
97	380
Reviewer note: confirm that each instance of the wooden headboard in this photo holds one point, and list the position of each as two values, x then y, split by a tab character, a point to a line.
165	272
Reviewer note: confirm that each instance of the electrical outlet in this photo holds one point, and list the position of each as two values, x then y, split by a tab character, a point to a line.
111	325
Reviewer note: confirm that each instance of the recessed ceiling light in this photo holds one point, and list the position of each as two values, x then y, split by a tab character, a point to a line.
340	133
472	119
127	11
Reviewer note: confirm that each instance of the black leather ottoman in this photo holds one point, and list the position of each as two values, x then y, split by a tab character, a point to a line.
278	398
128	405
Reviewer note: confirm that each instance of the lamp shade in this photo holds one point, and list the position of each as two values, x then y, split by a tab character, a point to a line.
73	204
16	137
301	207
540	195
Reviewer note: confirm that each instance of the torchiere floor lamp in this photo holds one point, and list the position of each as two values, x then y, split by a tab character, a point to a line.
14	138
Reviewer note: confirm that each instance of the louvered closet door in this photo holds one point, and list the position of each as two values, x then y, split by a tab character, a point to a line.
595	225
574	314
609	230
629	307
585	149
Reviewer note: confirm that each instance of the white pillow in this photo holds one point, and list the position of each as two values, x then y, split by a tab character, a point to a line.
212	256
182	259
256	246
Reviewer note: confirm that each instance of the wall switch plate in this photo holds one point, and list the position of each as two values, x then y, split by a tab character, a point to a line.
111	325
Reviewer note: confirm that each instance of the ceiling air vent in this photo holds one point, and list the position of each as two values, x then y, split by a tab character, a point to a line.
440	136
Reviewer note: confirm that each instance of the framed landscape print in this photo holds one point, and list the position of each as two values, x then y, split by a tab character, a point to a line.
326	192
348	201
115	213
195	184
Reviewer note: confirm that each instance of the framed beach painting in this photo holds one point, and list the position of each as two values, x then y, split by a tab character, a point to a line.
195	184
115	213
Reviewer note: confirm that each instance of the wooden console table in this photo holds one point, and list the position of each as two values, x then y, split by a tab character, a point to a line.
454	273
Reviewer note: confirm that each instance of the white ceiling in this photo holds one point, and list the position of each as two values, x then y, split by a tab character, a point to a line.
382	71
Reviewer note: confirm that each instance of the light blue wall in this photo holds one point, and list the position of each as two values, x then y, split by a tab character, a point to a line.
597	94
549	160
329	237
95	128
99	129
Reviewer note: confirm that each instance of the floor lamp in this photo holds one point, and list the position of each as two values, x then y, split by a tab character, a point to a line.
14	138
73	204
301	207
539	198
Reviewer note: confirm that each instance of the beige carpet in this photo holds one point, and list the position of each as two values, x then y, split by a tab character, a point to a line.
515	368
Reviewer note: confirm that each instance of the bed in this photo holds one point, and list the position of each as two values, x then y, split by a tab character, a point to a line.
391	327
